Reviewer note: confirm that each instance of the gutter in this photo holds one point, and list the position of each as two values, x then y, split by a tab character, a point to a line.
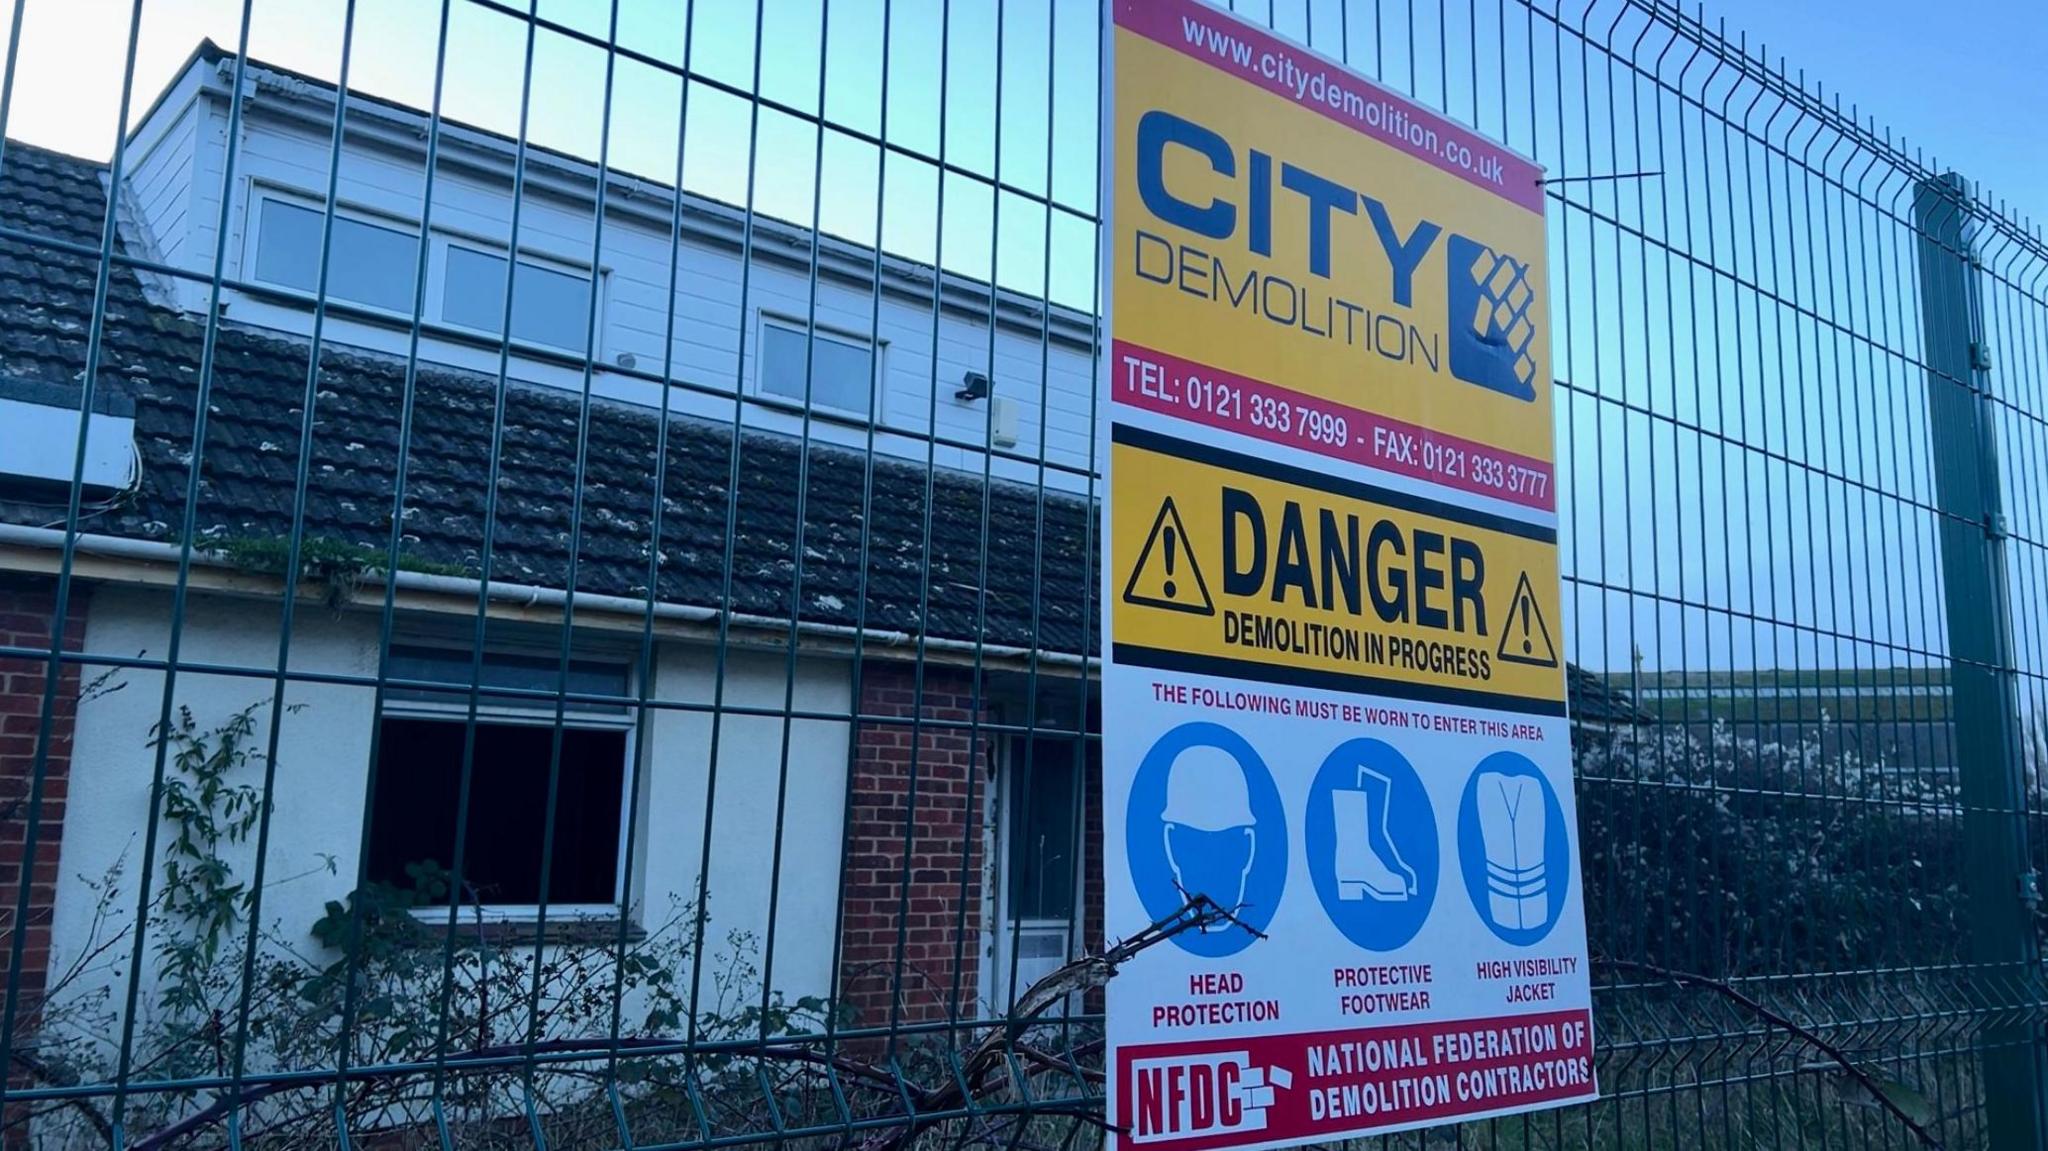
150	563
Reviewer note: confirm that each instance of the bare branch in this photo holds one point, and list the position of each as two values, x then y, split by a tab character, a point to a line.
1837	1055
1199	913
44	1073
982	1065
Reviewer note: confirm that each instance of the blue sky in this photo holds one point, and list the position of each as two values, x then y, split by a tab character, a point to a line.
1964	79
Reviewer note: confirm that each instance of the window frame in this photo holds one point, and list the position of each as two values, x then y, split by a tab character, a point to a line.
544	718
1012	767
428	297
765	318
1002	929
439	240
252	239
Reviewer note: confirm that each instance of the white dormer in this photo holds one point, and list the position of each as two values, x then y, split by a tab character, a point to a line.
391	255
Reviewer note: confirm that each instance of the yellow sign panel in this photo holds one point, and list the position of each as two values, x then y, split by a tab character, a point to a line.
1314	238
1230	565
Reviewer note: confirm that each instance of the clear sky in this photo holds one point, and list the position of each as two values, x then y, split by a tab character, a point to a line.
1960	78
1966	80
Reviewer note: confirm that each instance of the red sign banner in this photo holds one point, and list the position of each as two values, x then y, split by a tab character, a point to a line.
1285	1088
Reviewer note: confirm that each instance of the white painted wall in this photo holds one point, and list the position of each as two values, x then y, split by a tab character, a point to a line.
717	318
750	776
323	753
323	749
161	159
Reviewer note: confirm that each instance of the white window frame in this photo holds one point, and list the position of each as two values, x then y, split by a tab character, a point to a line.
437	240
765	318
540	717
441	239
252	237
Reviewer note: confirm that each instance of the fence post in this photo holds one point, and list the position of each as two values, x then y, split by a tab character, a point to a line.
1983	694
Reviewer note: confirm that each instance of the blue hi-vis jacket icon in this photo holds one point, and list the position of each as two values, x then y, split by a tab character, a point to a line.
1492	333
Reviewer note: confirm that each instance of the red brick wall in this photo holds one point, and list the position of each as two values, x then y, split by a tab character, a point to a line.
938	920
27	607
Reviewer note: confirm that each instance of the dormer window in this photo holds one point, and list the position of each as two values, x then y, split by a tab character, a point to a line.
841	367
550	302
373	262
370	261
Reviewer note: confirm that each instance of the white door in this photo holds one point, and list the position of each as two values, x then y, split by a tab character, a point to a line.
1038	866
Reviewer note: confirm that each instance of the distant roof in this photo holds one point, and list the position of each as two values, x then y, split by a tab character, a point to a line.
922	574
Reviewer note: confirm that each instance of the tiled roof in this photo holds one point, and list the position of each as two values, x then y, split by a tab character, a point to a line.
249	464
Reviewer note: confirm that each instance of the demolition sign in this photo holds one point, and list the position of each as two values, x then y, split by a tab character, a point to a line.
1333	678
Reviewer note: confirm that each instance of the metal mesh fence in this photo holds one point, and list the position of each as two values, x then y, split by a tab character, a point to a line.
550	602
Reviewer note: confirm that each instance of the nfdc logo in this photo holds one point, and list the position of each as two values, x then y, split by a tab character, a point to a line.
1194	1096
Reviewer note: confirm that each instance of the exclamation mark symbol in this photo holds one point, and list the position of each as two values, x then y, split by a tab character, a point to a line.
1528	634
1166	538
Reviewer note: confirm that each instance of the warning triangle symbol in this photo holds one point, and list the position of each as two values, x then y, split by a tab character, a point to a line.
1526	638
1166	575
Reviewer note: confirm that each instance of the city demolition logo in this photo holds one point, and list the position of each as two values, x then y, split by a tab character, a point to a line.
1492	332
1353	269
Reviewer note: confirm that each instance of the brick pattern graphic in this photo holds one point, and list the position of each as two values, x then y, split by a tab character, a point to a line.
939	919
27	608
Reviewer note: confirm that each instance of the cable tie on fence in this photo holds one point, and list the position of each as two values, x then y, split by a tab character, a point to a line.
1590	179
